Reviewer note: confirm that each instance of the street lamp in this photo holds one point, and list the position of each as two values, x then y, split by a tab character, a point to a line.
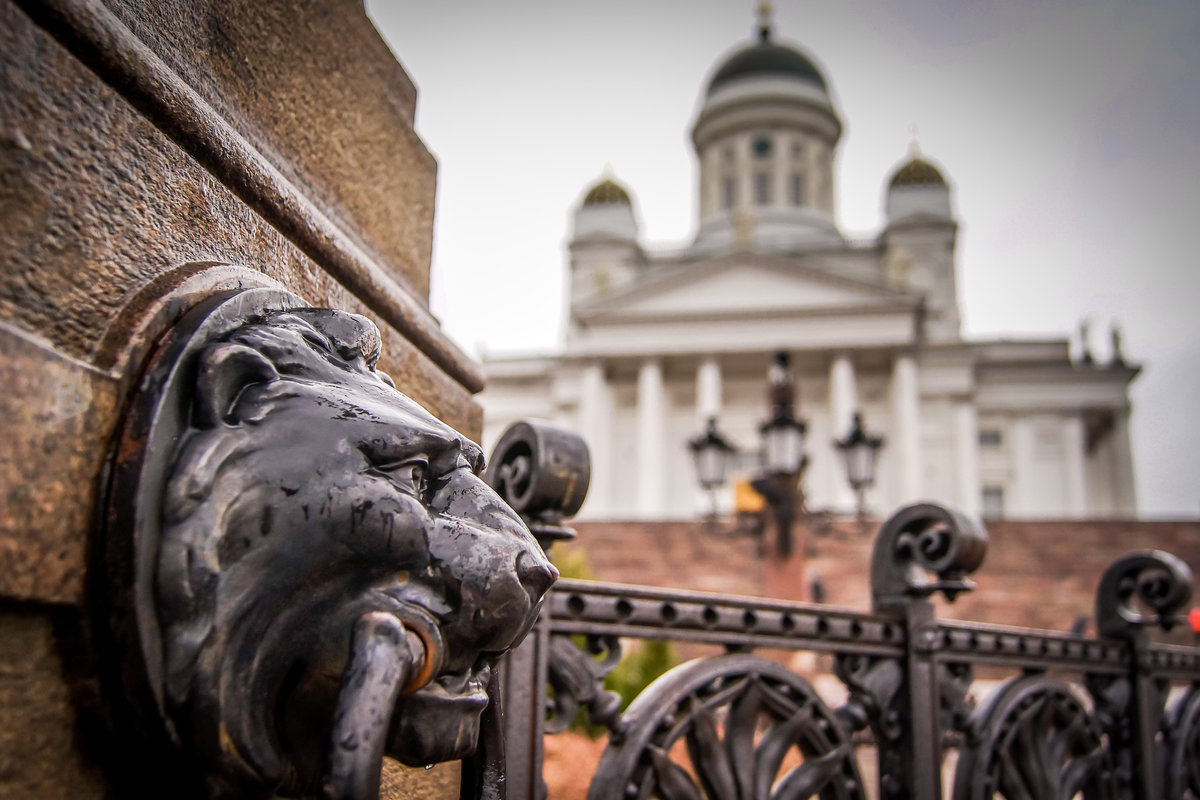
861	450
711	453
783	447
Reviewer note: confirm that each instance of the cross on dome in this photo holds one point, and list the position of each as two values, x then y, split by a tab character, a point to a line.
764	12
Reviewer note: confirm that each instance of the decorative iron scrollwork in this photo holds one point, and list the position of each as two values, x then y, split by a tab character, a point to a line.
878	700
955	701
874	684
1033	738
925	538
736	719
1113	709
577	679
303	569
1160	582
876	688
1182	735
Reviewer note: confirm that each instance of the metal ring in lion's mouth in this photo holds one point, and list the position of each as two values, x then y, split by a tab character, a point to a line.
420	623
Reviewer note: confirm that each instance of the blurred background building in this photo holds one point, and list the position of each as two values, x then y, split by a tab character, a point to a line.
658	343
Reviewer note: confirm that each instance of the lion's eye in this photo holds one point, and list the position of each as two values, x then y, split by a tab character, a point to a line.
410	475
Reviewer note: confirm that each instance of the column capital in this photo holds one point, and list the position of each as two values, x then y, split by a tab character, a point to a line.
842	354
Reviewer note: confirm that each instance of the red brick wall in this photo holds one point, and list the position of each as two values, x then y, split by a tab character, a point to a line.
1039	574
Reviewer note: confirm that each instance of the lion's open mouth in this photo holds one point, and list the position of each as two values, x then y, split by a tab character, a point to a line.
441	721
467	688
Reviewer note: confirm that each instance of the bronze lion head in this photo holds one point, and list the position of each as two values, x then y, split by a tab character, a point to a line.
302	530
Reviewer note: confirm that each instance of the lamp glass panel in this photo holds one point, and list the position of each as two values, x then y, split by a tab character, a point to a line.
785	448
710	466
860	464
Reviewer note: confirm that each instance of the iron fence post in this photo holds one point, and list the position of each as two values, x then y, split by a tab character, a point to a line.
1148	706
923	741
916	540
1144	588
523	680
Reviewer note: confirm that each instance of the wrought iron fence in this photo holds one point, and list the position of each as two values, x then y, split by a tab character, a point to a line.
1057	715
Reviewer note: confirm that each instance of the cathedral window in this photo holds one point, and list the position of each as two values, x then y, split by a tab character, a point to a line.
993	502
797	187
728	193
762	188
990	437
762	147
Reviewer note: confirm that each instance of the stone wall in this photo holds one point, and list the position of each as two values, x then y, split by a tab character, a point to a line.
151	154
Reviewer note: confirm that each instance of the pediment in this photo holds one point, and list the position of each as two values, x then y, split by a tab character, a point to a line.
741	286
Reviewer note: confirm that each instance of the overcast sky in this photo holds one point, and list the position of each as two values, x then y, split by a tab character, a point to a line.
1070	133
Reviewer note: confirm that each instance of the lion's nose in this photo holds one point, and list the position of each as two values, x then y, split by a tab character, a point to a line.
536	576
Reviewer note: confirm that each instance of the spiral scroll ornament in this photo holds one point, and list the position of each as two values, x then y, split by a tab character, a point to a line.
921	539
542	471
1147	587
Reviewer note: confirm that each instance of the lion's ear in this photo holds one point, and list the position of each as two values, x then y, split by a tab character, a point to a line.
225	372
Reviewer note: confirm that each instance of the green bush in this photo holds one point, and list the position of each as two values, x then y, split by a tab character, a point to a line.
572	562
640	668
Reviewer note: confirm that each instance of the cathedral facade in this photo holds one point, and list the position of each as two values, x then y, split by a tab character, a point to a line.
658	343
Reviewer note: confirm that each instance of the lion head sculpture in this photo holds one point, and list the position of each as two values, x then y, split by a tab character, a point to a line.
309	502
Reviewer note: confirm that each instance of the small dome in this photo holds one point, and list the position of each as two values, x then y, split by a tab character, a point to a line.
766	58
917	172
607	193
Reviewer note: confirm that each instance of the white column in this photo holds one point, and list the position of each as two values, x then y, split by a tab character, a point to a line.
843	401
708	390
595	426
906	424
1024	492
966	457
1074	475
651	434
1125	494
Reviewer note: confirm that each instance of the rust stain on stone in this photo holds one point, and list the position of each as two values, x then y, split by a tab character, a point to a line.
56	417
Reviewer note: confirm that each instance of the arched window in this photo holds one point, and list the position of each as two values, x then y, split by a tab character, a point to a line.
797	189
762	187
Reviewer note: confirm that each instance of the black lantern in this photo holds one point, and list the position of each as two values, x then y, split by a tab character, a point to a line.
861	451
783	450
783	434
711	453
783	446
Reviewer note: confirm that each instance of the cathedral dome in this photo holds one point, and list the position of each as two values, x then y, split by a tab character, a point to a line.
607	193
765	58
606	212
917	172
917	190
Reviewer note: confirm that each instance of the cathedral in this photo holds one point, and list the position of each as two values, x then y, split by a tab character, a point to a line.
658	343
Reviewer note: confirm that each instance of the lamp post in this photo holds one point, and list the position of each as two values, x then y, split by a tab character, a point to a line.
783	448
711	454
861	451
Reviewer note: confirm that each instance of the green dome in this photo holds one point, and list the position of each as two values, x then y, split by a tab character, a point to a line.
917	172
607	193
766	58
